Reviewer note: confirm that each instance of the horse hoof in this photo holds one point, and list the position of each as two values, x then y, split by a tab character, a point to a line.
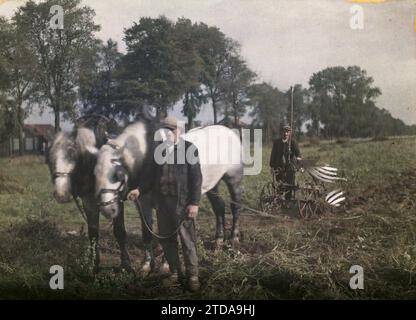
235	242
146	268
164	268
218	244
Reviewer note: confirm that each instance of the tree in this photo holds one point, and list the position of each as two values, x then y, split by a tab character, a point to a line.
58	51
151	73
237	80
342	100
269	108
215	49
19	70
97	79
187	39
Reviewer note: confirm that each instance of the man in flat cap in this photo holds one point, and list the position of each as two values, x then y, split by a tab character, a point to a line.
177	194
283	156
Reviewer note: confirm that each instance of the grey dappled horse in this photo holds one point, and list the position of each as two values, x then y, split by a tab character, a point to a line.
127	162
71	159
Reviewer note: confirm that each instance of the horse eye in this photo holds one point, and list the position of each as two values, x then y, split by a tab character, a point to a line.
119	173
71	153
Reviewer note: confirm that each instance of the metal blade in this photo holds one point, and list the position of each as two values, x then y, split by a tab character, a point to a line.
331	173
338	201
317	176
327	167
329	195
322	176
325	176
334	196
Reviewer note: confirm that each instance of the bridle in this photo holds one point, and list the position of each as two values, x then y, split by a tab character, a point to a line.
117	192
56	175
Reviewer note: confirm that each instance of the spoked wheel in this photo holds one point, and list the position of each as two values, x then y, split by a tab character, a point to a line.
270	200
309	204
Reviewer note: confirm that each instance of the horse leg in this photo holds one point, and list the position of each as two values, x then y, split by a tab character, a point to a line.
146	219
93	219
234	187
218	206
121	236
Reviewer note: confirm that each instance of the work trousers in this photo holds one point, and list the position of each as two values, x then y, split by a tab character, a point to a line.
168	218
286	176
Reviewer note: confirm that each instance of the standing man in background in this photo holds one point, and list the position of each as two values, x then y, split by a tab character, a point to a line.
285	151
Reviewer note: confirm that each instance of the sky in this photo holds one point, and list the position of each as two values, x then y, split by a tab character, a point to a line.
285	42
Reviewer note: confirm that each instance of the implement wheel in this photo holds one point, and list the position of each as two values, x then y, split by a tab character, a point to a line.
309	203
270	200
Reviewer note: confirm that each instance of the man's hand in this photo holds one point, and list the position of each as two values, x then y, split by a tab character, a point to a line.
192	211
133	195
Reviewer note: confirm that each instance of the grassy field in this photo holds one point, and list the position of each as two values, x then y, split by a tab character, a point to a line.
279	257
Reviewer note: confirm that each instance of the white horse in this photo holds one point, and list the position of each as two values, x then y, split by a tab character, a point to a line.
71	160
127	161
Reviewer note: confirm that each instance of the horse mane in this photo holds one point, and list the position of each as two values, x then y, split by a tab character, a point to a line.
62	140
102	127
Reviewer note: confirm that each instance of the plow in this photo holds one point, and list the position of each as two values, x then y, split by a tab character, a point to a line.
312	197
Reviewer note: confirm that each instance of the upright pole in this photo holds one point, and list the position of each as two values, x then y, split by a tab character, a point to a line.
291	119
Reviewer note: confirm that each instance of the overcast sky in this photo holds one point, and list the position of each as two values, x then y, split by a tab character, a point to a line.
285	42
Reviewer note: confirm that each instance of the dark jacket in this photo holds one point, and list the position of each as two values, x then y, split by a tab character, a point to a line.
280	153
183	180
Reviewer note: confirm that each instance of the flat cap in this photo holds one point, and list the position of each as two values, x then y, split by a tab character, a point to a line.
169	122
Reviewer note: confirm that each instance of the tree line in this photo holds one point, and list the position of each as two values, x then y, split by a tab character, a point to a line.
70	71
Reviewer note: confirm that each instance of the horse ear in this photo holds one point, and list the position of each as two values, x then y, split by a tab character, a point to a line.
72	151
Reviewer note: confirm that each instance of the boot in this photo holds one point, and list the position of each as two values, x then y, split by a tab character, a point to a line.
193	283
164	268
171	281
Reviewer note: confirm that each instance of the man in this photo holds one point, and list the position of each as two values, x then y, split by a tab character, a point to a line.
177	193
281	162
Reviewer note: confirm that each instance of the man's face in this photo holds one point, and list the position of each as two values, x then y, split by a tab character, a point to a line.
173	135
286	134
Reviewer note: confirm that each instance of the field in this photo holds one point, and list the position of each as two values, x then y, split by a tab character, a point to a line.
280	257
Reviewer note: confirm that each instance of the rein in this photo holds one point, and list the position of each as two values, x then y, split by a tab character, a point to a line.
56	175
158	236
117	199
116	192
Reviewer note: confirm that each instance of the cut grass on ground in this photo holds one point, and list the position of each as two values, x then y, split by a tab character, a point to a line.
279	257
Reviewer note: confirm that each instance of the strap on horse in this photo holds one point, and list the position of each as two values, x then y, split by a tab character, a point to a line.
80	208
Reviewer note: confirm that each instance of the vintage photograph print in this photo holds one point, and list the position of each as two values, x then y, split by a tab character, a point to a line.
207	149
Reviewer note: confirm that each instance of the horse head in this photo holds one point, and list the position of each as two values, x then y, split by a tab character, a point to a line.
61	159
111	180
118	160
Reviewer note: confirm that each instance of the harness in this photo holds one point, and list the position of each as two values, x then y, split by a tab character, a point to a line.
81	209
117	192
56	175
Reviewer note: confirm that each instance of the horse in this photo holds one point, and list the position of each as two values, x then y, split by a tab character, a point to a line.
127	161
71	160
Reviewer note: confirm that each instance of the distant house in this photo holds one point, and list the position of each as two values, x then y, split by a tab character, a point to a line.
37	138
